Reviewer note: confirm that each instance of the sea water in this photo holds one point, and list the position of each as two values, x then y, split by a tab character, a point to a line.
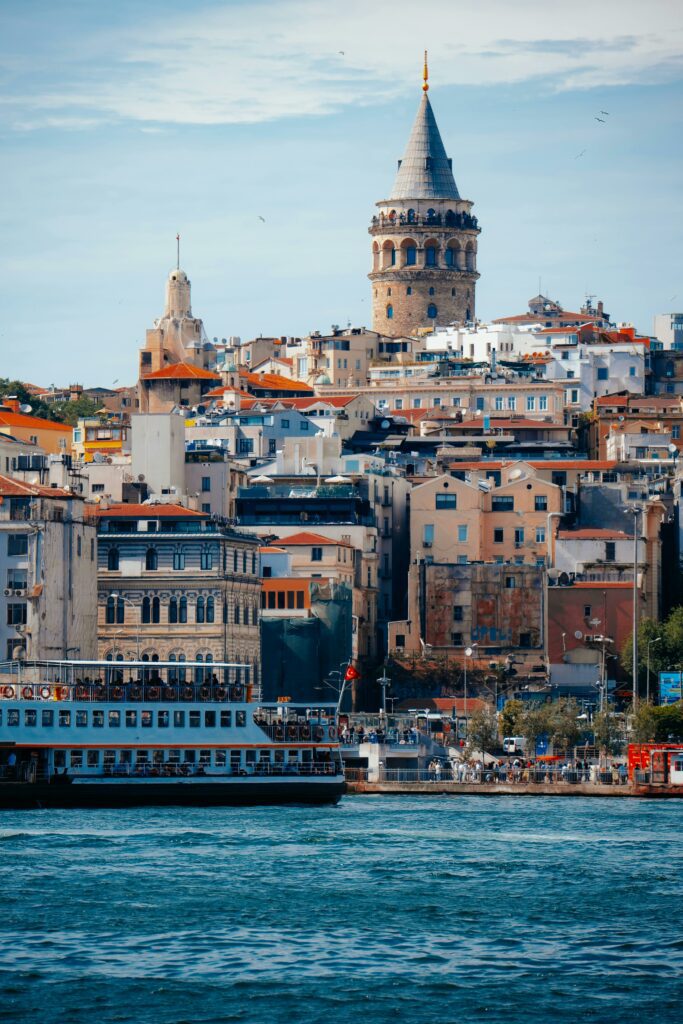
417	910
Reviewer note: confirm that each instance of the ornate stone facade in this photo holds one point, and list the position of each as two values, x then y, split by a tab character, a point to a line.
424	241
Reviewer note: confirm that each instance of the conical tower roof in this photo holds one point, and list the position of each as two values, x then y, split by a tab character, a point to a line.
425	170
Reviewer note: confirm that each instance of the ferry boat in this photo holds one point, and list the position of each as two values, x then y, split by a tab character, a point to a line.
121	734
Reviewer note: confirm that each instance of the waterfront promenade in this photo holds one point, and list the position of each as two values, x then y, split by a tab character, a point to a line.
431	788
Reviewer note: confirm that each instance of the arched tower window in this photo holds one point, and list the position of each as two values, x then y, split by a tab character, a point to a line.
470	257
432	311
375	256
110	616
409	250
388	255
431	253
390	312
431	291
411	216
452	254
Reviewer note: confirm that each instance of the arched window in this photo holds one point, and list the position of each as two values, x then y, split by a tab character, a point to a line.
237	613
470	257
199	671
182	610
431	311
151	559
209	675
110	617
200	610
453	292
120	611
253	562
172	671
113	559
244	561
173	610
411	255
409	290
468	314
156	609
430	256
390	312
411	216
146	610
181	668
225	612
210	612
431	291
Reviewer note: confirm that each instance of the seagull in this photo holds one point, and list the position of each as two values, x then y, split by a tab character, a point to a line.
579	154
601	120
341	52
605	112
262	218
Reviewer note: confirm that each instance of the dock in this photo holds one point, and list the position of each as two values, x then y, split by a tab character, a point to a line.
559	789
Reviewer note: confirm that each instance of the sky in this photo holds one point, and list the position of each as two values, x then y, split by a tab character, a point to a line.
123	123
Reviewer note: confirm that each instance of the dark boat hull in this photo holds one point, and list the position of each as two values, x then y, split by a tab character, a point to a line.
170	793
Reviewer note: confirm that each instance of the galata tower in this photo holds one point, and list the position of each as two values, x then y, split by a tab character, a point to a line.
424	239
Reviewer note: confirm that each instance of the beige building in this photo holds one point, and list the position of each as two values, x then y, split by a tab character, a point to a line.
424	240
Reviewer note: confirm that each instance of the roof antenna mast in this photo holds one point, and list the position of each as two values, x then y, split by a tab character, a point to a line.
177	244
425	75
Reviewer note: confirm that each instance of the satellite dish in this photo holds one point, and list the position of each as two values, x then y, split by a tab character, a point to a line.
578	634
141	477
515	474
563	579
469	651
385	424
25	408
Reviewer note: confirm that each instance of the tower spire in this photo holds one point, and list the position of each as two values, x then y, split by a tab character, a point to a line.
425	75
177	243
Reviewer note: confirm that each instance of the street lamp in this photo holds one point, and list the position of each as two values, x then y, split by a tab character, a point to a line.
647	678
119	597
384	681
468	652
635	511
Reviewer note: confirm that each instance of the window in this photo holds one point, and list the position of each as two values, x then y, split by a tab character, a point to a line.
240	719
114	719
156	609
93	758
13	717
430	256
457	613
510	582
446	501
210	610
432	311
316	554
610	551
151	559
226	719
236	614
78	547
97	720
209	719
31	717
541	503
456	639
245	445
462	534
498	536
531	403
16	614
131	719
512	403
206	560
285	424
587	611
409	291
603	373
178	560
431	291
146	610
519	536
540	535
206	484
676	431
182	610
543	403
178	719
200	614
411	256
390	312
47	719
17	544
173	610
479	403
502	503
498	403
631	371
428	535
113	559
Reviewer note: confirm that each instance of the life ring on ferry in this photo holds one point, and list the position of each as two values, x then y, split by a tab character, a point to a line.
279	733
221	693
117	693
100	693
8	692
237	691
62	693
45	692
306	731
332	732
291	731
169	693
187	693
81	692
136	693
318	732
27	693
154	693
205	692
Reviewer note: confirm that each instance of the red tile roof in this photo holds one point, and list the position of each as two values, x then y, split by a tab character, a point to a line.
158	511
310	538
338	402
12	488
181	371
272	381
19	419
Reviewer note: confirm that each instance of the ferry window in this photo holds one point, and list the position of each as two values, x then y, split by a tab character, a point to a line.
220	758
240	719
158	756
76	758
162	719
47	718
125	756
131	719
82	719
109	758
93	759
179	719
146	719
210	719
251	756
235	760
190	756
205	757
114	719
226	719
194	719
98	719
141	757
65	719
174	757
31	717
279	756
60	759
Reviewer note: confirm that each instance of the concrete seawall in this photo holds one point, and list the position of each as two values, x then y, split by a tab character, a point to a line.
510	789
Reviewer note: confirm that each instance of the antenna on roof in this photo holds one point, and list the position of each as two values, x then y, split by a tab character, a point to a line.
177	243
425	75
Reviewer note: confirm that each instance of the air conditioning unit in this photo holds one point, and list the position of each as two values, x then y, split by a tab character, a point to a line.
20	593
425	544
7	593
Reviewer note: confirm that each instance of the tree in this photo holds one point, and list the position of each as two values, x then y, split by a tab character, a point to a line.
563	725
511	718
534	724
660	725
668	652
71	412
482	730
608	732
16	388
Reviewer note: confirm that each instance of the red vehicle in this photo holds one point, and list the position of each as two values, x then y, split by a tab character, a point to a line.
640	756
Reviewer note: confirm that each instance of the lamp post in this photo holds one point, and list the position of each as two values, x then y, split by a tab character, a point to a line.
468	652
119	597
384	681
635	511
647	678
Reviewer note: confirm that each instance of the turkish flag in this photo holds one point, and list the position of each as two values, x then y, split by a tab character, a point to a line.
351	673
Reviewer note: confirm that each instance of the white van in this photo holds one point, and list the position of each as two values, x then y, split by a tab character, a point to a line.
513	744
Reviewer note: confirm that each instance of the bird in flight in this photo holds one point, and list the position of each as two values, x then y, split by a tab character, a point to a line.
262	218
605	112
579	154
601	120
342	52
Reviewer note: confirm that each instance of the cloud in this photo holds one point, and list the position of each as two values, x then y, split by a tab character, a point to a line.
262	61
